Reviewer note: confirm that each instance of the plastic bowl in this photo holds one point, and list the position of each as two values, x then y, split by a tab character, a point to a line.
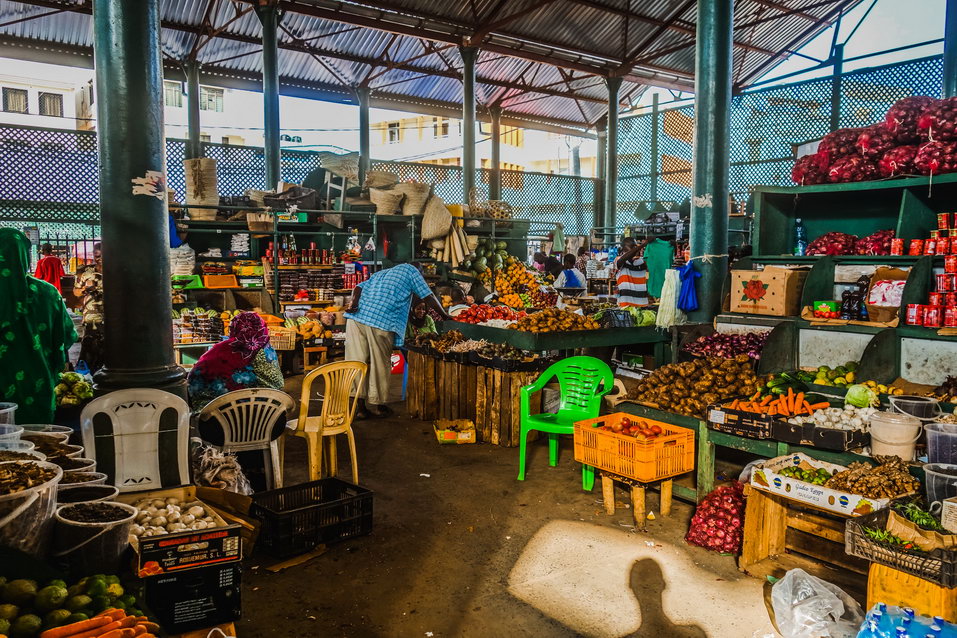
86	493
59	437
91	478
46	427
74	451
88	465
17	446
6	412
940	481
10	433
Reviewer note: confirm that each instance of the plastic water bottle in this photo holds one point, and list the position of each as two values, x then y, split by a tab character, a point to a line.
800	238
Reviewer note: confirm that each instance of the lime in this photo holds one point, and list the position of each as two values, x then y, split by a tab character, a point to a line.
100	603
76	617
56	618
127	599
4	626
8	612
20	592
57	583
114	590
96	587
76	603
50	598
26	626
112	579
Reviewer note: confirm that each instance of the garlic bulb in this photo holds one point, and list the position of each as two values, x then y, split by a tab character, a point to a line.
197	511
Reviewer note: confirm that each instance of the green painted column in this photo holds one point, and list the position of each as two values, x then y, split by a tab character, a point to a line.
194	147
950	49
495	175
611	155
365	161
655	157
601	133
469	55
269	16
837	90
133	215
709	197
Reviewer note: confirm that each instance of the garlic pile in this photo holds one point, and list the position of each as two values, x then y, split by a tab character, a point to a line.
847	418
168	516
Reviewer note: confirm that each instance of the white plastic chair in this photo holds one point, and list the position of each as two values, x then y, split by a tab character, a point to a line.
247	418
139	438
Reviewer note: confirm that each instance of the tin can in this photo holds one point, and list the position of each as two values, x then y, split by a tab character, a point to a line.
897	246
915	314
943	246
930	247
950	299
944	220
934	234
945	282
950	263
933	316
936	298
950	317
916	247
952	232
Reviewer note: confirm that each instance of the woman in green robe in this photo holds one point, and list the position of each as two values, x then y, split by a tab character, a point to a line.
35	333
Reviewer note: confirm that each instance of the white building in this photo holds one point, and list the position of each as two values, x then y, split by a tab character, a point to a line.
32	102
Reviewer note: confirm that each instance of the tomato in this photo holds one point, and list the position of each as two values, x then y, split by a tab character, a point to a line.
625	422
656	429
647	433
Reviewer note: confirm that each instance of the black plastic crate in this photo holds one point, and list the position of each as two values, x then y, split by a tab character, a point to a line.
938	566
739	422
296	519
823	438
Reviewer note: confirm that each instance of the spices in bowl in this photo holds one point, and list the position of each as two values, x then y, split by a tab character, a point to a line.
73	463
94	513
17	476
73	478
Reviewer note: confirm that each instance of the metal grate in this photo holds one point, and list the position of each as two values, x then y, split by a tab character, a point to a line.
765	123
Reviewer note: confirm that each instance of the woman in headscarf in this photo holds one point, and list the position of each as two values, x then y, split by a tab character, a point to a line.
244	360
35	333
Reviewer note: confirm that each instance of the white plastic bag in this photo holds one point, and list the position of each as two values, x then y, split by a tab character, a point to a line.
807	607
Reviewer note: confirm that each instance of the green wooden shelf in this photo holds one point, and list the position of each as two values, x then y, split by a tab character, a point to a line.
542	341
876	185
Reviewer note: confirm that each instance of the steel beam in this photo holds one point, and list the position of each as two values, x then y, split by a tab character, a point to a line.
495	174
655	158
469	55
950	50
601	136
194	147
837	60
709	197
269	17
134	219
362	92
611	155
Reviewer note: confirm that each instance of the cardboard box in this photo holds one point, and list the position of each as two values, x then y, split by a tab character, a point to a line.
456	431
773	291
765	476
196	598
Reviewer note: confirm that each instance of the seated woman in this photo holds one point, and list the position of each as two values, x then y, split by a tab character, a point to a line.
419	320
570	277
244	360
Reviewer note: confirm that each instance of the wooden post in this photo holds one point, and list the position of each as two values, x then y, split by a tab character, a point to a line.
638	505
608	494
705	478
666	497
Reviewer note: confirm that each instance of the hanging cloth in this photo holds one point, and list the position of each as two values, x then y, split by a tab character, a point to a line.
688	297
668	313
659	254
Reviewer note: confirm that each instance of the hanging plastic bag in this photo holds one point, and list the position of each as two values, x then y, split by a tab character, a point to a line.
558	239
807	607
688	297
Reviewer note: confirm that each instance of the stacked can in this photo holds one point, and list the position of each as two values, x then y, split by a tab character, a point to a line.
941	307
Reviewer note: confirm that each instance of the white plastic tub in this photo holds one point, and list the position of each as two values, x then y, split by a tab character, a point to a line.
25	516
6	412
9	434
894	434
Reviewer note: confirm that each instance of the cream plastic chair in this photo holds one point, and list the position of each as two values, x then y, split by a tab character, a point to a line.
247	418
341	379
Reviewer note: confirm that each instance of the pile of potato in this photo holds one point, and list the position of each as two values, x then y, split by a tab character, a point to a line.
689	388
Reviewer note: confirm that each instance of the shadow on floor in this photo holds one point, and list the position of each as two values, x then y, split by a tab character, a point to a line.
648	584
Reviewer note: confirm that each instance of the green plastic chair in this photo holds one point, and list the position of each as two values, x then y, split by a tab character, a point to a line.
579	379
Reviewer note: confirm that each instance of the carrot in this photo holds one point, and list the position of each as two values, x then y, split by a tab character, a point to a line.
139	630
73	629
816	406
734	404
113	612
128	621
119	633
766	399
807	408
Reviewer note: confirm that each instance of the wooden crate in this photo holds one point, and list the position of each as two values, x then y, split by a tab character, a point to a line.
781	534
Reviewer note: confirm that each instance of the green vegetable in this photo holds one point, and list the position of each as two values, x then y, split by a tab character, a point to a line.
883	536
920	517
861	396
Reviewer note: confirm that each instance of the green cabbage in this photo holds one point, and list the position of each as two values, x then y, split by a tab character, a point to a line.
861	396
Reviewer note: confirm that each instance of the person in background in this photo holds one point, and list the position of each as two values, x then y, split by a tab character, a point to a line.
376	323
459	301
632	277
570	277
37	333
244	360
583	256
547	263
420	322
49	268
89	287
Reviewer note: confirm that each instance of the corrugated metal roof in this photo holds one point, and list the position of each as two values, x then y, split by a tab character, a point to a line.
543	61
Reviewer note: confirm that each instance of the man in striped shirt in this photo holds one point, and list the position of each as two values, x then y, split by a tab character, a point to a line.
632	275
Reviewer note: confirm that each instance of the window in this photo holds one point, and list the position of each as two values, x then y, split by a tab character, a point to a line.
225	139
173	94
210	99
440	127
205	138
513	136
14	100
51	104
394	133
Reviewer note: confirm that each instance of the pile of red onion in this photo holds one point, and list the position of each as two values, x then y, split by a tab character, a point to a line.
875	141
898	161
878	243
939	121
809	169
718	522
833	243
852	168
728	345
934	158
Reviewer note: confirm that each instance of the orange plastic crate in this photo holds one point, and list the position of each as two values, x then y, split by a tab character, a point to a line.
670	454
220	281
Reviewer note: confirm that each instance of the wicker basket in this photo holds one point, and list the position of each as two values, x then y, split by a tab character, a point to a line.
281	338
416	195
386	201
259	222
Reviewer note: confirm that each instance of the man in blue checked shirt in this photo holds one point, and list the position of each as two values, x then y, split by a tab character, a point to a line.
375	324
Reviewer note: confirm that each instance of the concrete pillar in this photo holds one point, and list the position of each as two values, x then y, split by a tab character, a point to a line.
133	214
601	131
611	155
194	147
365	161
469	55
269	16
495	174
709	197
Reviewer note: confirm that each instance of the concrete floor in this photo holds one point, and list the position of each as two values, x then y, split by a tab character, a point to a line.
460	548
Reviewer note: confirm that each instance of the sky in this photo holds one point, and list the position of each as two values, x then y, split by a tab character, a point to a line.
888	24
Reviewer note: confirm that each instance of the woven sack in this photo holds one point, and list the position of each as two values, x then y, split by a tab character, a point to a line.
386	201
258	197
416	196
437	220
381	179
